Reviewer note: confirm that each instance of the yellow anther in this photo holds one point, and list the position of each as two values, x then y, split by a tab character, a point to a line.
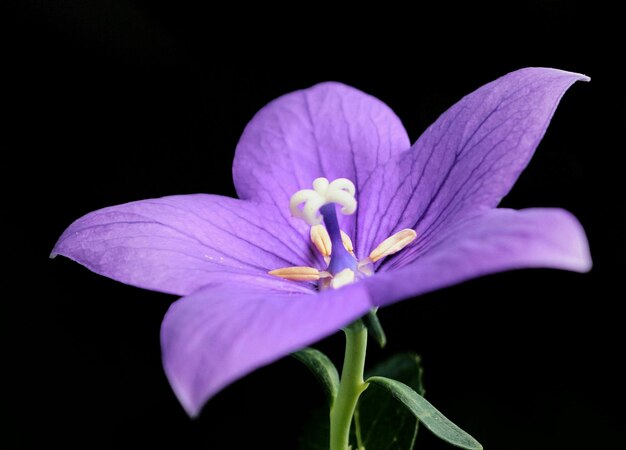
321	239
393	244
346	276
347	242
298	273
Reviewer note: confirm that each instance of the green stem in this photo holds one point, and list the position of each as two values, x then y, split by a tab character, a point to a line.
350	387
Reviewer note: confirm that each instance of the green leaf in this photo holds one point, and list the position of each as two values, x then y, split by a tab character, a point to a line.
382	422
374	327
427	413
379	421
406	367
323	369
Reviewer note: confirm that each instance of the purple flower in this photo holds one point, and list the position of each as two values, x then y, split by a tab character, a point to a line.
436	199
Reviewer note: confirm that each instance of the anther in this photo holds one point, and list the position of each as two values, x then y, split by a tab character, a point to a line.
321	240
299	273
393	244
347	242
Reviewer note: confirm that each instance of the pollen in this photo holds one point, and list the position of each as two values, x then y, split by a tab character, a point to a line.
298	273
393	244
321	240
317	207
347	242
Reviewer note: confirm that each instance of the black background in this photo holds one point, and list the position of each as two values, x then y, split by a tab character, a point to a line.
113	101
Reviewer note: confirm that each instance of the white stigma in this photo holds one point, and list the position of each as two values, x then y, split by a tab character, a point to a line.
340	191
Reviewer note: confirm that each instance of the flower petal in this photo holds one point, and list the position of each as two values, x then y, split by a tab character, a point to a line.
499	240
178	244
467	160
222	332
329	130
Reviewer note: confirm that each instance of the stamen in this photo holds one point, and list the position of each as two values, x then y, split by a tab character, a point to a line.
321	240
346	276
340	191
299	273
393	244
347	242
317	205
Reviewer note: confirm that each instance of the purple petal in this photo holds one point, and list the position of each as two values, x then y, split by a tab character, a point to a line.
181	243
468	159
499	240
221	333
329	130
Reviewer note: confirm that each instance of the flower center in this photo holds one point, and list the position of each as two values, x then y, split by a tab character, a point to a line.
316	206
340	258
